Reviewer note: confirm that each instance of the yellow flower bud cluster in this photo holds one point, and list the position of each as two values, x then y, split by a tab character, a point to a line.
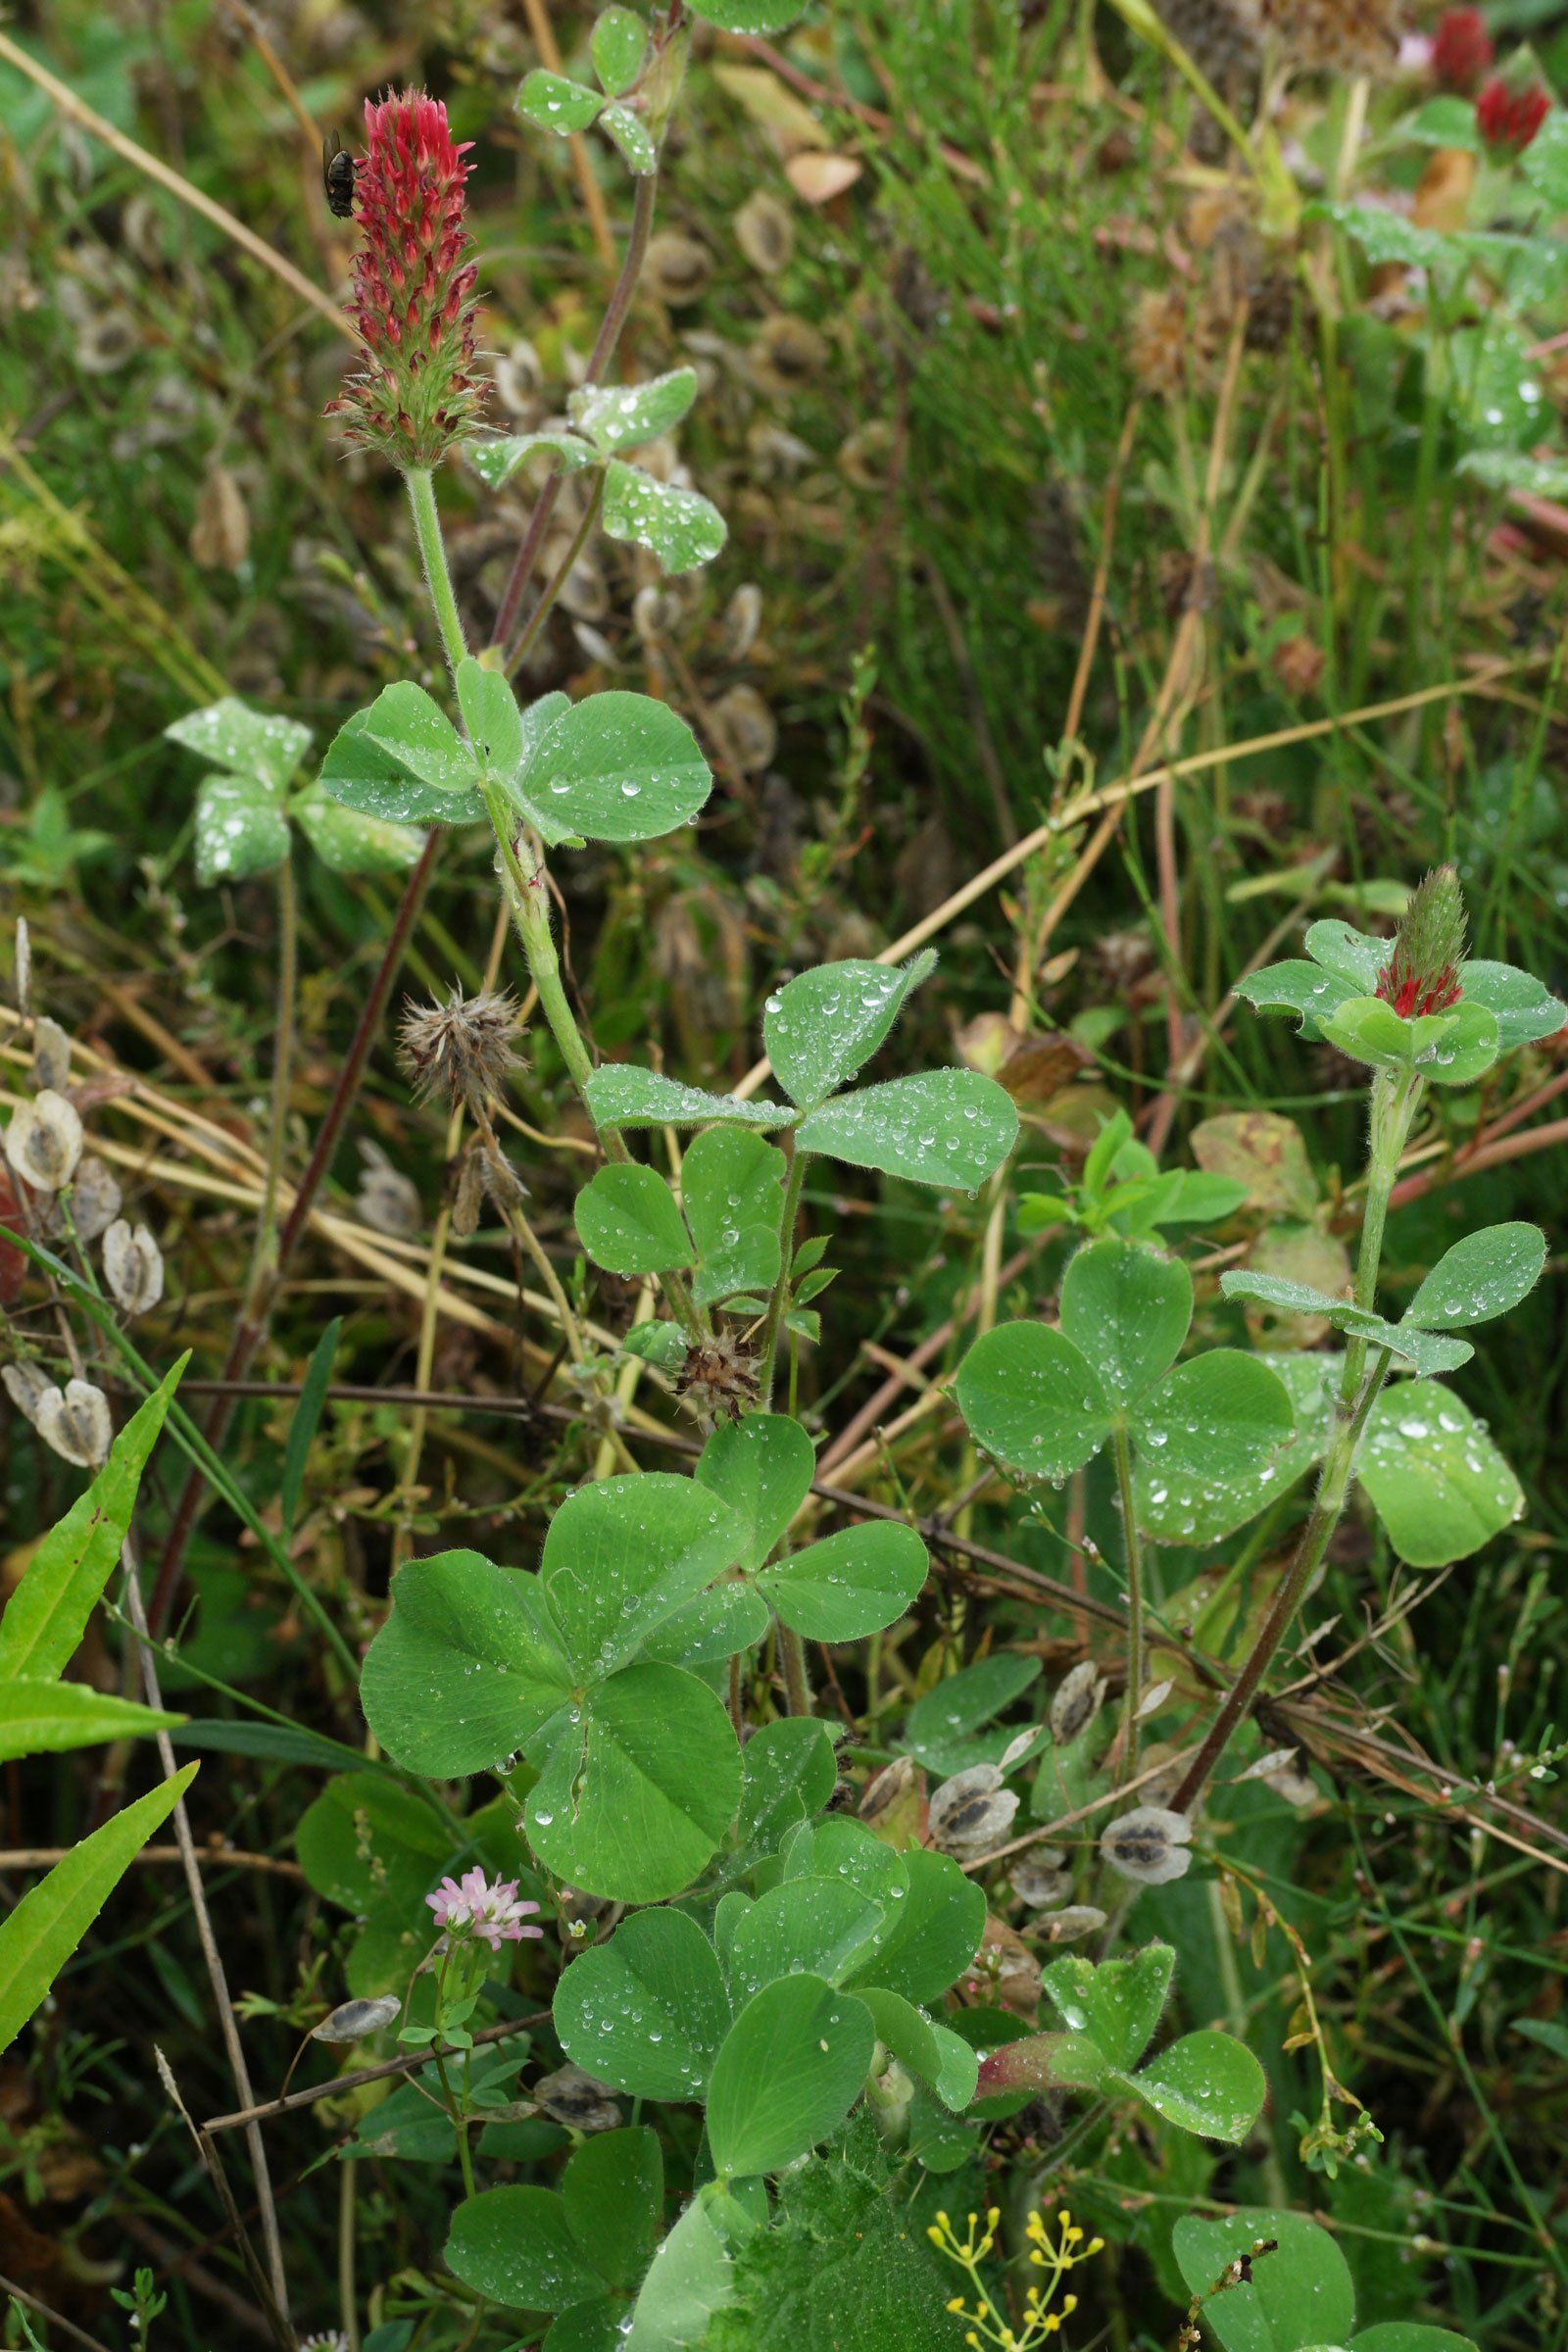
1041	2316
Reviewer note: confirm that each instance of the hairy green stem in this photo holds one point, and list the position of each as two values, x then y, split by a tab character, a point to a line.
433	556
1394	1107
797	1687
1132	1556
777	1304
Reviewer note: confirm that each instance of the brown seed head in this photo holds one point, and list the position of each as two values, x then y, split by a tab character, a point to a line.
460	1053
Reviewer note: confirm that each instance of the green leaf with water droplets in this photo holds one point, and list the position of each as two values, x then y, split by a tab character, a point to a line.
617	417
1218	1416
617	767
762	1468
248	743
1522	1009
790	1770
682	528
640	1786
1207	2083
617	45
550	102
1187	1509
748	15
647	2011
727	1617
403	761
1466	1050
953	1128
731	1188
1413	1346
633	138
496	461
1117	2003
850	1585
619	1095
1126	1305
1388	236
818	1924
623	1554
627	1221
1436	1480
820	1028
240	829
689	2278
1033	1400
1299	987
468	1667
613	2189
1408	2336
517	2247
1351	956
933	1929
792	2066
1482	1276
1300	2293
352	843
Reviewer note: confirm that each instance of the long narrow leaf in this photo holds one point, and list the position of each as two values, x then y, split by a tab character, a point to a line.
306	1421
48	1924
47	1615
39	1718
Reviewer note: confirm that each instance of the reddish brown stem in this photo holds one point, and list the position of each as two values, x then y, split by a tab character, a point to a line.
252	1329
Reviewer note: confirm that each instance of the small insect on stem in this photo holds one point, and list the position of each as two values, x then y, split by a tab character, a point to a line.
337	176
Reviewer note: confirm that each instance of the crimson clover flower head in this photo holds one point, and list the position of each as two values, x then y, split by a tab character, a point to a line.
1513	106
1422	973
413	299
476	1908
1461	51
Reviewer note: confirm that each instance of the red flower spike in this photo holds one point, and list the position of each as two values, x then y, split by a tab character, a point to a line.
1461	52
1422	973
413	299
1509	117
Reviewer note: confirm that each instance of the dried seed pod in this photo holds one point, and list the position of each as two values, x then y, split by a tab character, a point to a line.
221	535
1149	1845
743	617
786	354
106	341
765	234
1076	1701
133	1267
1040	1879
893	1802
357	2021
519	376
747	730
1017	1748
972	1812
94	1199
654	613
76	1424
43	1141
386	1199
1152	1698
468	1194
22	971
866	458
571	2096
1072	1923
596	644
26	1387
676	268
51	1055
460	1053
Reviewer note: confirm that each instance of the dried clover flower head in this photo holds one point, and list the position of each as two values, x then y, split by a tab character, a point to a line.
1422	974
718	1376
460	1053
413	299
